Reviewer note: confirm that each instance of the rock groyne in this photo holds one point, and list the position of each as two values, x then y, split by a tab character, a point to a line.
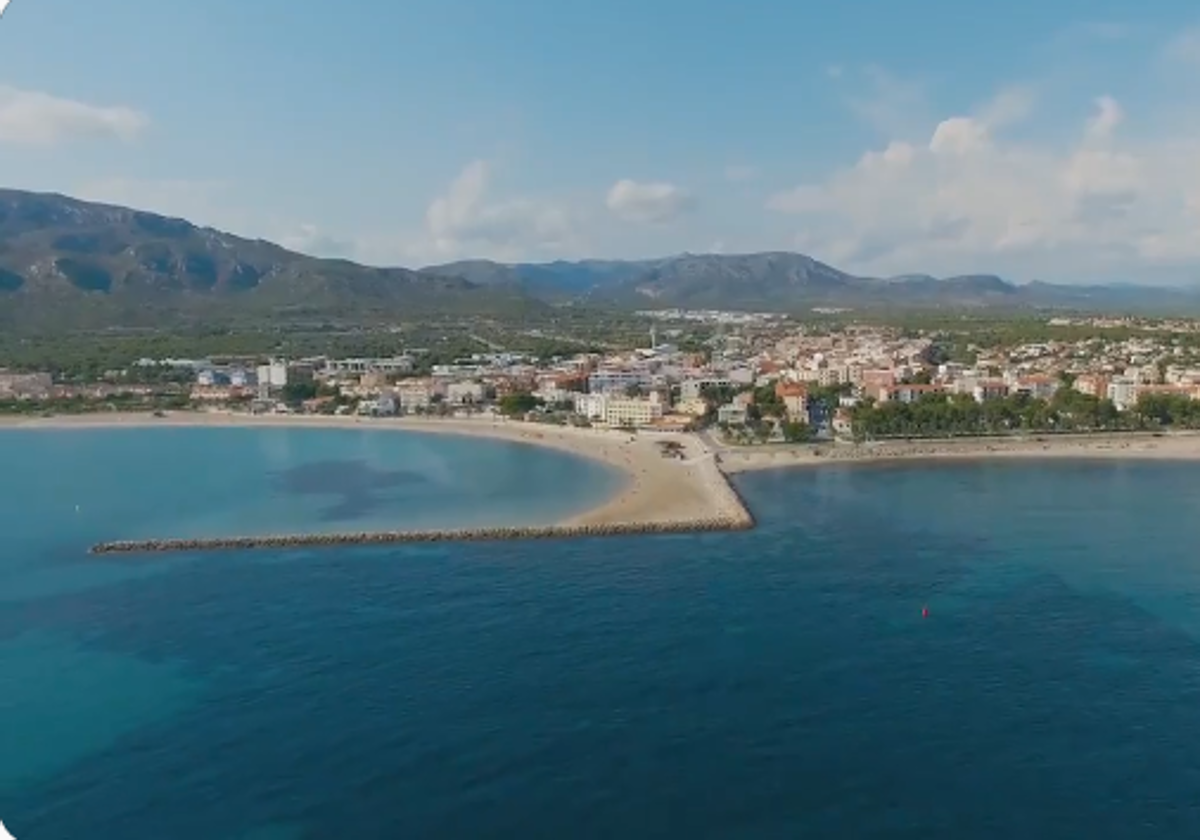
739	522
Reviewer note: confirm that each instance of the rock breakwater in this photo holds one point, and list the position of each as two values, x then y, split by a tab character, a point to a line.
740	521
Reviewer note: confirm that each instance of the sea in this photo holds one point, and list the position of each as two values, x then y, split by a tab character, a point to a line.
968	650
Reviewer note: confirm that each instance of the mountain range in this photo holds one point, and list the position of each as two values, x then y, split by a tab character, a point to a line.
69	263
66	263
784	281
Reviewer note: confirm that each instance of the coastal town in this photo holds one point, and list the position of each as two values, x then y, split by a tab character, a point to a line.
756	380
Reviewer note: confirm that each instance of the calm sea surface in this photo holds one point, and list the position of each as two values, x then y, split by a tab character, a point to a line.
776	683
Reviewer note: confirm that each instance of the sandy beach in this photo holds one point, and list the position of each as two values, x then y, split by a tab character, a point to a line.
657	489
1182	446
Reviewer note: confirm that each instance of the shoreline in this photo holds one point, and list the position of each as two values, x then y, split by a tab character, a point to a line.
658	495
656	492
1118	446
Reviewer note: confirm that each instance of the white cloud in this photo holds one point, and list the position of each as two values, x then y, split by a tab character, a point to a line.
969	201
36	118
467	222
967	135
1011	105
959	136
648	202
463	222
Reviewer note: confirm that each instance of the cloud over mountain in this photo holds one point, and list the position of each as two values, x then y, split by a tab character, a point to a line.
30	117
648	202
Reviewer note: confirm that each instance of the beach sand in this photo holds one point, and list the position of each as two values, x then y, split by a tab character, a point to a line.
657	489
1181	446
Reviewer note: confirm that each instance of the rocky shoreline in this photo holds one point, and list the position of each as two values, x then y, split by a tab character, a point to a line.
738	522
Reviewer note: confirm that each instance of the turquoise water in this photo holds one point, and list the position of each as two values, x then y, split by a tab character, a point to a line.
775	683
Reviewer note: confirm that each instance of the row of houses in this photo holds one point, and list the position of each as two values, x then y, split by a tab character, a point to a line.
981	390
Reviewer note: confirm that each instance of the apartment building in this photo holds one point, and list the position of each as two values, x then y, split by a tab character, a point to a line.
732	414
464	393
1037	387
617	381
691	389
694	407
989	389
24	384
633	411
794	396
411	396
620	411
590	406
907	393
273	374
391	365
1093	385
1123	391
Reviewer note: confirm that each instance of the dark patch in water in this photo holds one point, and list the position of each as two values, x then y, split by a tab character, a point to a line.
357	485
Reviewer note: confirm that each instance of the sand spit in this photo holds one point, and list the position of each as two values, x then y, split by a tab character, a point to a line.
1178	446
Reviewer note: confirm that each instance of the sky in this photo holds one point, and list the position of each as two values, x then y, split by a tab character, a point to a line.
1038	139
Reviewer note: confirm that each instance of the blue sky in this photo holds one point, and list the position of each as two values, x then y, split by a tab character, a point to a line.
1055	139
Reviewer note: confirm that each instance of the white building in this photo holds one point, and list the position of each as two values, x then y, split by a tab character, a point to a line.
393	364
633	411
620	411
387	403
383	405
464	393
591	406
1123	392
732	414
694	407
829	376
610	380
273	374
690	389
414	396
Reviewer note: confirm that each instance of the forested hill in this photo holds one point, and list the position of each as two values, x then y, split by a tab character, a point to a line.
68	263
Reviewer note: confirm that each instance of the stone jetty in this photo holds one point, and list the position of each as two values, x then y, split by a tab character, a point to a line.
740	520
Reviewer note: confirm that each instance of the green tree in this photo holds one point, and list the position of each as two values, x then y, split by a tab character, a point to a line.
297	392
521	402
795	431
767	402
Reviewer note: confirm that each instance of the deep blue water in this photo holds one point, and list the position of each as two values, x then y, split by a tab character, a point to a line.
775	683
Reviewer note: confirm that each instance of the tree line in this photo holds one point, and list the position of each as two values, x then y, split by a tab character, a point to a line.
1068	410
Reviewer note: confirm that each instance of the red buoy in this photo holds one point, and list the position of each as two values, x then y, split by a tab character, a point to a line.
924	612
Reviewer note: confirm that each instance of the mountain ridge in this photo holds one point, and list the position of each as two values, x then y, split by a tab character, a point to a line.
72	264
785	280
